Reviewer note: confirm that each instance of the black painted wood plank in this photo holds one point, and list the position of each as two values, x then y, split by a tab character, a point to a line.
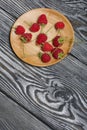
14	117
77	16
56	95
40	90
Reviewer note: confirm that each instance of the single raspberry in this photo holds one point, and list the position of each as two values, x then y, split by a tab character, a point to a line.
45	57
42	19
26	37
58	41
41	38
57	53
35	27
47	47
59	25
19	30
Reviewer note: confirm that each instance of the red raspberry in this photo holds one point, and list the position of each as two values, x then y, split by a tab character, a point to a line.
19	30
41	38
42	19
57	53
45	57
59	25
26	37
58	41
47	47
35	27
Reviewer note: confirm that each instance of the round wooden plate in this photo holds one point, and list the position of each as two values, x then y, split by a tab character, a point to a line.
28	52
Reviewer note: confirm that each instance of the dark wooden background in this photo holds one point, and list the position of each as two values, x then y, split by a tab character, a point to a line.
48	98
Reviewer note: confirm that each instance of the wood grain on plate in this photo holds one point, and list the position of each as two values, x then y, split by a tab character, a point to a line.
29	52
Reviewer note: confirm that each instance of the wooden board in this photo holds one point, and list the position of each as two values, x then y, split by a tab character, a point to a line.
52	97
14	117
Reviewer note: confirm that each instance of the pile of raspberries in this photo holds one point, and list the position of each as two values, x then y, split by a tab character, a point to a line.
47	48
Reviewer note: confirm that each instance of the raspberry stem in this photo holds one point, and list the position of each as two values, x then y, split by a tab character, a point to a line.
42	26
29	24
39	54
49	29
61	40
23	39
23	50
33	40
60	55
58	32
13	27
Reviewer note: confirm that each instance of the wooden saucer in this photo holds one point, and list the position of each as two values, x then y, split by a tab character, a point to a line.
28	52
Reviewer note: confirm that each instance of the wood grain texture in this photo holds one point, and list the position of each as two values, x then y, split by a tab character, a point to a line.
14	117
56	95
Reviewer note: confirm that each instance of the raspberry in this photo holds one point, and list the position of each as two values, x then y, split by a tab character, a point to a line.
58	41
59	25
42	19
26	37
35	27
57	53
45	57
19	30
41	38
47	47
